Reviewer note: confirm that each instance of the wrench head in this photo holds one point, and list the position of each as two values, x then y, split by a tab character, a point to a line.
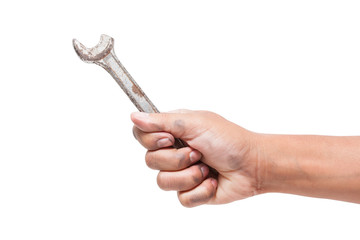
97	53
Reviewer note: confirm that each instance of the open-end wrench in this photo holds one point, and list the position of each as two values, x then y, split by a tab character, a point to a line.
103	55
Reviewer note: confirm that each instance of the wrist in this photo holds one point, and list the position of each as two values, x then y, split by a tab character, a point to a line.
258	159
290	163
273	169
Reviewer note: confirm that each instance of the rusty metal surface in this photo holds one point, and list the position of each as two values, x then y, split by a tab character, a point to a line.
103	54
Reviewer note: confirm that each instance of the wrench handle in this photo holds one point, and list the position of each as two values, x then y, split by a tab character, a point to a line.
179	143
112	64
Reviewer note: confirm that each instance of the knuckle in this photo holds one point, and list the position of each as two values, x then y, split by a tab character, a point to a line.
150	160
199	198
162	182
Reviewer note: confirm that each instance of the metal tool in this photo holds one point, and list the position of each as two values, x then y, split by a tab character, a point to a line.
103	55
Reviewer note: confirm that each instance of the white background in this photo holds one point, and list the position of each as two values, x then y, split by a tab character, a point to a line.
69	166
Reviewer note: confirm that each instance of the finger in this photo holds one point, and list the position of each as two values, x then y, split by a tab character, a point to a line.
171	159
202	194
184	179
153	141
178	123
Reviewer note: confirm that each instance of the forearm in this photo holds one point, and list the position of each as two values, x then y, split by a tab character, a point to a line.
317	166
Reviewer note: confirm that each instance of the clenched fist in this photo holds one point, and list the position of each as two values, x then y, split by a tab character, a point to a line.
212	142
247	163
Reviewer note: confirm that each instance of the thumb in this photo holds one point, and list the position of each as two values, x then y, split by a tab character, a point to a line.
177	123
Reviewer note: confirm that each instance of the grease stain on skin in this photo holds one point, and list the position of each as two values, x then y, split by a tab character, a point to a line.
197	179
201	198
179	125
180	186
234	162
197	175
181	158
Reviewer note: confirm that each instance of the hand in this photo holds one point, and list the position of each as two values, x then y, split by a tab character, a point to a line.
213	141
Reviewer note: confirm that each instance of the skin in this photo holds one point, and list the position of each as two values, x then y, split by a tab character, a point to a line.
247	163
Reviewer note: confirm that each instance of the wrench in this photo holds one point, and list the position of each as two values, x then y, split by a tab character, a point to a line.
103	54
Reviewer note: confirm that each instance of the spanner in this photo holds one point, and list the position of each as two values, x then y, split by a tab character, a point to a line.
103	54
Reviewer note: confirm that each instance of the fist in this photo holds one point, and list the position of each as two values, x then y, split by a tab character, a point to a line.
212	142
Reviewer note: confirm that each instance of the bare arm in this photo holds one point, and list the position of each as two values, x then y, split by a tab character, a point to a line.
316	166
248	163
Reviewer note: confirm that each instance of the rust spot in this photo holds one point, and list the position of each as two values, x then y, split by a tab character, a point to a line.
137	91
97	53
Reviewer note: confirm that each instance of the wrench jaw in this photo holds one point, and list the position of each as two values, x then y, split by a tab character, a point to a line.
97	53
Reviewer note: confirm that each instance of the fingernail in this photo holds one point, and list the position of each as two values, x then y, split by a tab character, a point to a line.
140	115
204	170
164	142
194	156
